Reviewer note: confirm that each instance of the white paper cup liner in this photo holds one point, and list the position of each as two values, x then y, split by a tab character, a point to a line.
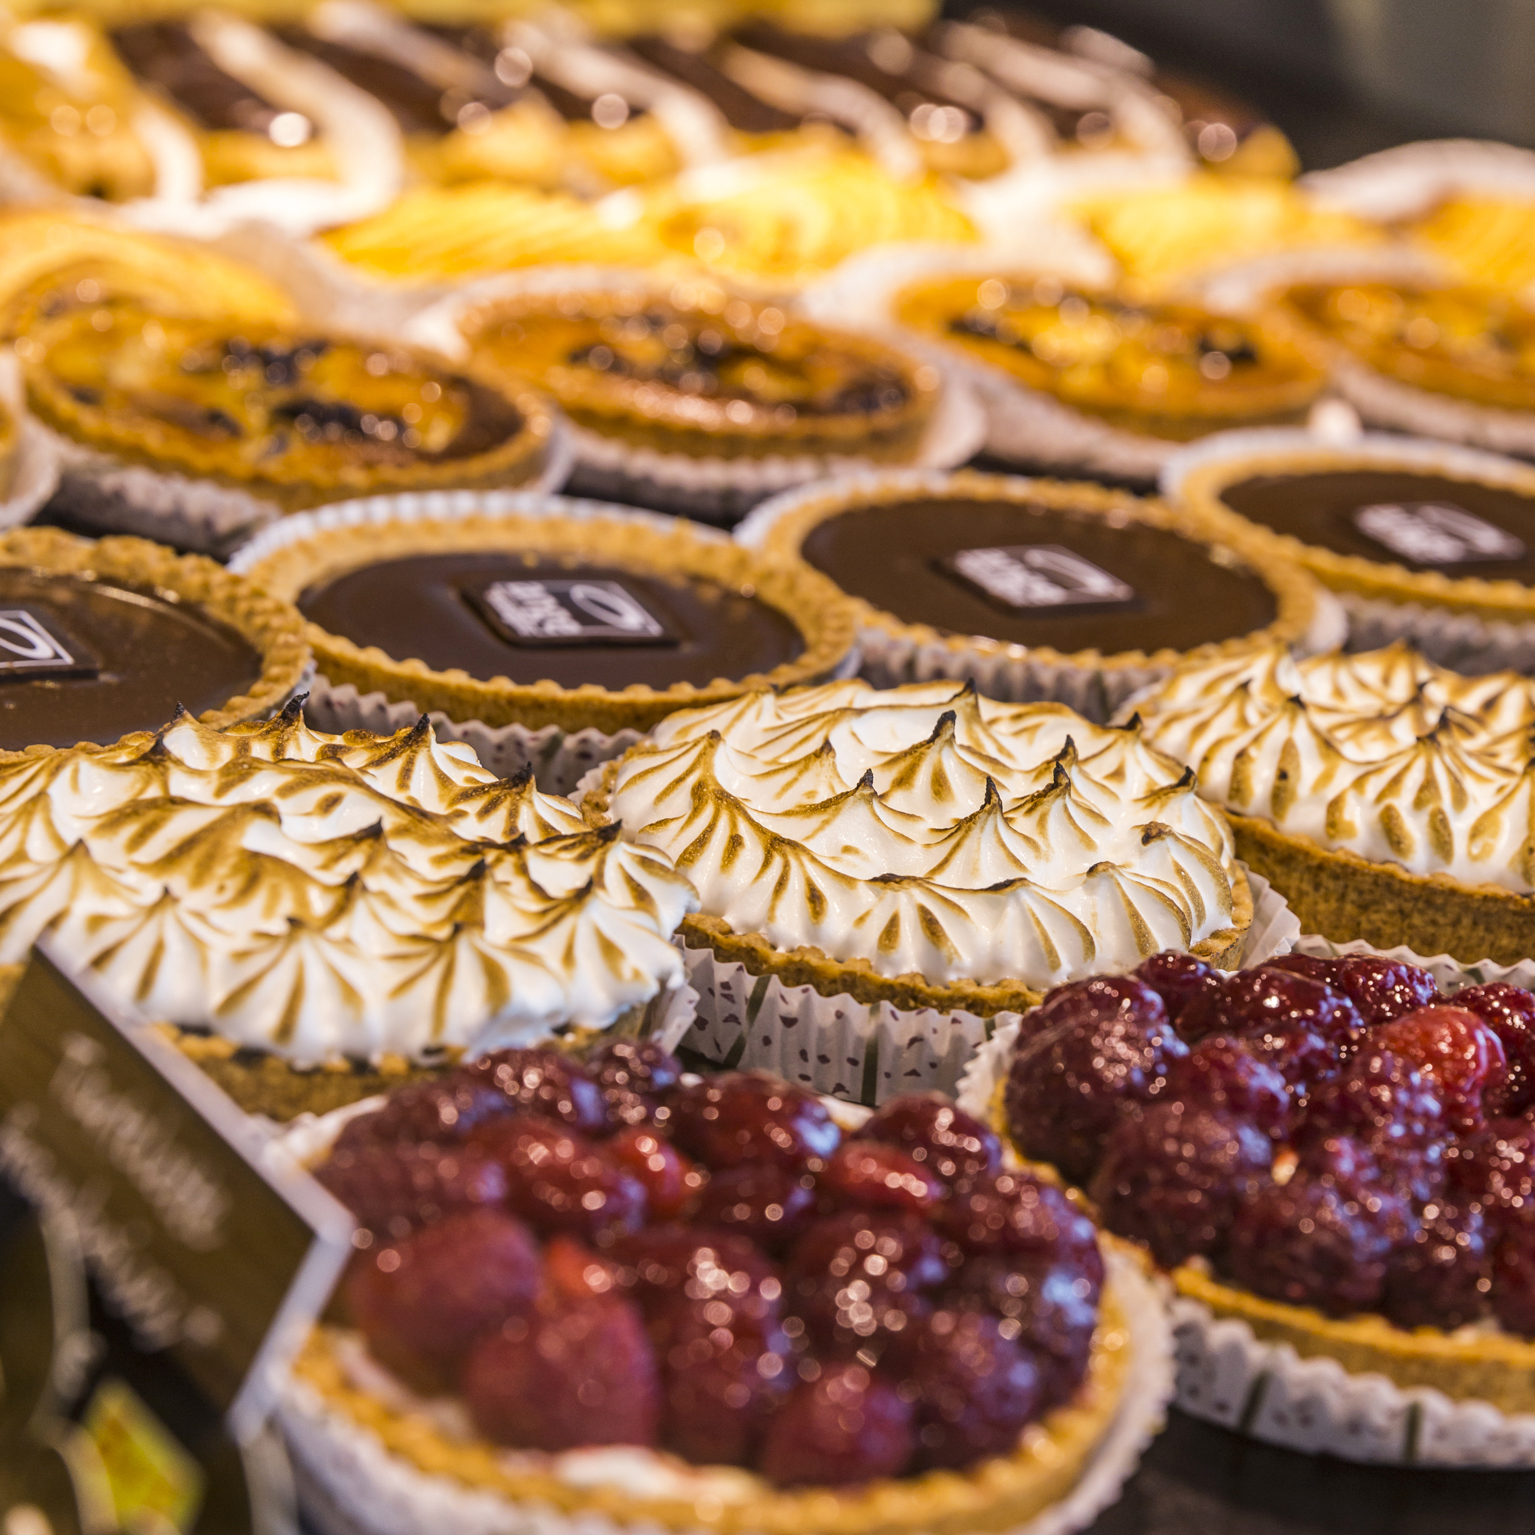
1463	642
1409	180
34	475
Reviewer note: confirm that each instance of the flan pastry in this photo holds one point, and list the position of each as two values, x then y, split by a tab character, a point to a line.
102	640
1486	240
1382	518
1381	794
926	846
591	622
767	1421
157	413
1013	582
694	370
310	914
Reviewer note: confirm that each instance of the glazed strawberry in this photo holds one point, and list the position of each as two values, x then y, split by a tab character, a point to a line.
557	1180
872	1176
1179	979
1017	1214
1458	1054
1281	1013
1223	1074
1383	989
394	1186
444	1110
1098	1000
671	1181
765	1203
1510	1011
977	1388
634	1076
742	1118
1441	1276
1495	1170
572	1372
844	1426
545	1083
1175	1177
1382	1100
1513	1276
421	1302
946	1141
661	1261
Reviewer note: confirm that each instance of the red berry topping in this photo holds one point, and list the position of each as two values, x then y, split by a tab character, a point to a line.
1495	1170
545	1083
977	1388
444	1110
1179	979
842	1427
422	1301
633	1076
948	1142
1442	1275
1175	1178
393	1186
765	1203
557	1180
1223	1074
1513	1277
1017	1214
873	1176
741	1118
1510	1010
1381	1100
1315	967
671	1181
1383	989
572	1373
1457	1053
1281	1012
1099	1000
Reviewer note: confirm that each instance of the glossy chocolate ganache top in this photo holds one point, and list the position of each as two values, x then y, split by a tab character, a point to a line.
1029	574
1422	520
570	621
84	660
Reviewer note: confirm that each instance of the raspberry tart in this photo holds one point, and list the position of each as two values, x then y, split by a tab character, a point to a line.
650	1300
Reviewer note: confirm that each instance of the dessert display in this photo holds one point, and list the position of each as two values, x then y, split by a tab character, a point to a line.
1017	583
676	1303
1328	1151
1383	795
1380	517
101	641
311	915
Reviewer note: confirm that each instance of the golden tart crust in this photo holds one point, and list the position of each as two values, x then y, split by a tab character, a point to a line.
821	614
1162	369
698	371
998	1494
272	627
297	418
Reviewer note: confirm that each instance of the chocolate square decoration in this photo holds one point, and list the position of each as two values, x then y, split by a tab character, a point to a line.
543	611
1436	533
33	644
1028	578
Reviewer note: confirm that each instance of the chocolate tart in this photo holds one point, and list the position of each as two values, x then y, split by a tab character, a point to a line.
1157	369
424	609
957	574
696	371
100	641
1380	518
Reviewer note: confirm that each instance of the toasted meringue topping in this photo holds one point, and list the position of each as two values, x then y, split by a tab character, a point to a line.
932	831
324	897
1383	754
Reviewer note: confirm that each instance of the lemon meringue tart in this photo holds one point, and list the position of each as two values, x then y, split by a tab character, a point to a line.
311	915
1384	796
601	621
101	639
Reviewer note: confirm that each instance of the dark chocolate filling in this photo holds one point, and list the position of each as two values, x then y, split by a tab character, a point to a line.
892	556
1319	509
418	608
744	112
164	54
150	655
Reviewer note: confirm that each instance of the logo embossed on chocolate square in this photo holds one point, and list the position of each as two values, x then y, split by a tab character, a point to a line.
1035	577
32	645
1436	533
545	611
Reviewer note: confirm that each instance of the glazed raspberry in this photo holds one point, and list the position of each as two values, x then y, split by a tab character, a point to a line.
443	1110
546	1083
1278	1009
572	1373
1315	967
393	1186
1016	1214
1441	1276
557	1180
1179	979
948	1142
660	1259
741	1118
1383	989
977	1389
1494	1170
634	1076
1174	1178
422	1301
842	1427
1513	1278
1049	1306
1381	1100
1510	1010
1388	1187
1072	1079
1458	1055
765	1203
872	1176
1224	1074
670	1180
1305	1243
859	1278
